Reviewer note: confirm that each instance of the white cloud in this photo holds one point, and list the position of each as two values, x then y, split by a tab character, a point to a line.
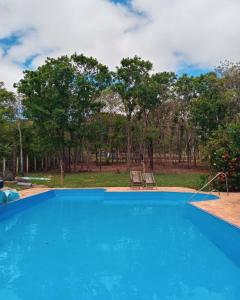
167	32
9	72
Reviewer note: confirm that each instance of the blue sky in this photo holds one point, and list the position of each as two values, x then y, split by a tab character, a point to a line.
6	43
192	70
126	2
11	41
183	36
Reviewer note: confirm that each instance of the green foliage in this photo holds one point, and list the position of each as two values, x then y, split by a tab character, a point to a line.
185	88
7	102
61	96
154	90
108	131
74	109
128	79
223	151
212	108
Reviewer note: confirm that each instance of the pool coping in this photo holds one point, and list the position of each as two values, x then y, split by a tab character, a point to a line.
214	215
226	207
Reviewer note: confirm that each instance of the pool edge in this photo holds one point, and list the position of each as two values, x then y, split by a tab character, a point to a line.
199	205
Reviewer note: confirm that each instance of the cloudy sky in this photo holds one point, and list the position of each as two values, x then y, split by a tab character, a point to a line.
189	36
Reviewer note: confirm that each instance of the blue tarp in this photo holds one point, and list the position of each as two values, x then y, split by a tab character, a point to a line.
3	197
8	196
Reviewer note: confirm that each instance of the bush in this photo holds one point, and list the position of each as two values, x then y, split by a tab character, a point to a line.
223	151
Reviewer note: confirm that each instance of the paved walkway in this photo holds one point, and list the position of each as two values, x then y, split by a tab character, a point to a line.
227	207
32	191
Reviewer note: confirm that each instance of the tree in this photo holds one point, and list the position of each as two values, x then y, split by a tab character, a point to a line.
7	103
129	76
153	91
229	72
46	95
223	154
60	96
186	91
73	107
211	108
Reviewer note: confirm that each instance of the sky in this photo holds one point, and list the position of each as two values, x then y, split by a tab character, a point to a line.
184	36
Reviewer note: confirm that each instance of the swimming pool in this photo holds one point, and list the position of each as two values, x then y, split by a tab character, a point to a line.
92	244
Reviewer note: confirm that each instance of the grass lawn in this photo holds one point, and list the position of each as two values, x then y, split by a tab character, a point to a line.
191	180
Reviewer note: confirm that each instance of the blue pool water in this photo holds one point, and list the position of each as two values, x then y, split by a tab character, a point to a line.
92	244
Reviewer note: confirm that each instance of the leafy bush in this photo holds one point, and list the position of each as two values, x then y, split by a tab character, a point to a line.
223	151
203	179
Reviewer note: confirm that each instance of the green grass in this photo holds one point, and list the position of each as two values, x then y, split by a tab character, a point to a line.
83	180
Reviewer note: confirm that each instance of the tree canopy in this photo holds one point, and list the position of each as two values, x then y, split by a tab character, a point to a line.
74	109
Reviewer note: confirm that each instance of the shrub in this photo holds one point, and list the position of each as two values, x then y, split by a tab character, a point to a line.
223	151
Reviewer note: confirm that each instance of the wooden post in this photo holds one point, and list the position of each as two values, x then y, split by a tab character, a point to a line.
27	164
61	172
4	167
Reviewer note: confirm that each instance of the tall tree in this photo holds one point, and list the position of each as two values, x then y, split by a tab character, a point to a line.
186	92
60	96
129	76
7	114
211	109
229	72
152	92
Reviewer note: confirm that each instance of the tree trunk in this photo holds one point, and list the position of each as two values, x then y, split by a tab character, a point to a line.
129	146
96	157
150	153
17	166
21	147
35	164
4	167
100	160
69	159
46	163
195	153
180	139
61	172
75	153
14	158
188	153
63	160
117	158
27	164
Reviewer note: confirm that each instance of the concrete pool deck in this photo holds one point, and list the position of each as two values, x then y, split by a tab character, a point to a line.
227	207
